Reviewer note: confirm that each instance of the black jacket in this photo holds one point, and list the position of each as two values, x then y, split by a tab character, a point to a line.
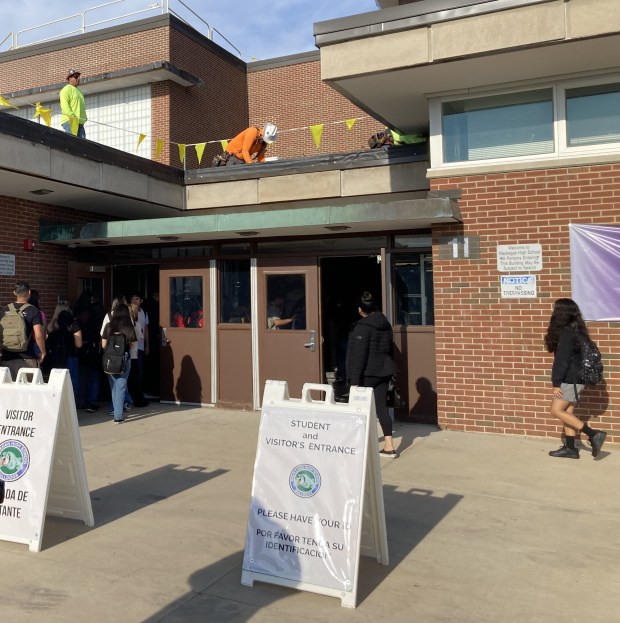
369	352
566	359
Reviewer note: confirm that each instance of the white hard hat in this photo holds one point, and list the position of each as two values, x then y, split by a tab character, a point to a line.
270	132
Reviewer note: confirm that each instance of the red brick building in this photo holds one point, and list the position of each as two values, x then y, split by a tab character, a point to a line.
518	100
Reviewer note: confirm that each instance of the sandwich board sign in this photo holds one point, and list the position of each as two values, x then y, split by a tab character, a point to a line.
41	461
317	497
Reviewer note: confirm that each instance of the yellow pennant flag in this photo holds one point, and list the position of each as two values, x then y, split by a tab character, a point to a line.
140	139
75	125
317	133
182	147
200	149
5	102
159	147
44	113
350	123
224	145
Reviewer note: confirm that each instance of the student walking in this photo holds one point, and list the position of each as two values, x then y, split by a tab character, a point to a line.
566	333
370	362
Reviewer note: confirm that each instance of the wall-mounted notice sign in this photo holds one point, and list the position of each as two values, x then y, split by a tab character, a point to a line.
519	258
41	461
519	287
316	477
7	265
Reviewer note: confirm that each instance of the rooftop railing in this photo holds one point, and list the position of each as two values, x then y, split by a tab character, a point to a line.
106	14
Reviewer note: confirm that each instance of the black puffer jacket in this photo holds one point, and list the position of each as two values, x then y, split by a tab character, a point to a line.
369	352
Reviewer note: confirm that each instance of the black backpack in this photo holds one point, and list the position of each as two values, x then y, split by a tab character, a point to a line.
590	371
114	354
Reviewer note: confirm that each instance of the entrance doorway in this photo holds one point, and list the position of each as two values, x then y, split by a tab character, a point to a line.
343	279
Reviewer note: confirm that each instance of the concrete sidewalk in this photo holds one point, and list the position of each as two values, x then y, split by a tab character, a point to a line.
480	528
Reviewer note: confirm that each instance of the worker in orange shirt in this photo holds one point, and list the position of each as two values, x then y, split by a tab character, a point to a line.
250	145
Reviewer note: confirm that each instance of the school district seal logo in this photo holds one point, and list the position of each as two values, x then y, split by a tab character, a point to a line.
305	481
14	460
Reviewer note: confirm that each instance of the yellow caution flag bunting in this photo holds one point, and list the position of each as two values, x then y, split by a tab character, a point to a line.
44	113
200	149
182	147
141	137
317	133
224	145
350	123
5	102
159	147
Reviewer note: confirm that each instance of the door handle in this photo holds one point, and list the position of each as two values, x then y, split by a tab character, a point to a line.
312	342
164	337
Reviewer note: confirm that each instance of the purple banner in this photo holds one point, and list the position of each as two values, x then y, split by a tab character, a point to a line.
595	270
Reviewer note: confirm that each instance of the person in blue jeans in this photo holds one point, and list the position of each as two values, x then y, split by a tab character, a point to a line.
120	324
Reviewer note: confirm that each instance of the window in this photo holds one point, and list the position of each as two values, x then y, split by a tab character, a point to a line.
115	118
563	119
499	126
235	291
286	301
413	286
186	303
593	115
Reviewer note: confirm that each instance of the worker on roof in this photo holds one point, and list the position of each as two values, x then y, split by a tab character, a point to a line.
72	106
250	145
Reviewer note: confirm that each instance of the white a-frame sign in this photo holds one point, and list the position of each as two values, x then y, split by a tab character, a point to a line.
41	461
317	498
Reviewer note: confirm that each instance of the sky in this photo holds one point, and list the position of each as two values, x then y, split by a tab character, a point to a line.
259	29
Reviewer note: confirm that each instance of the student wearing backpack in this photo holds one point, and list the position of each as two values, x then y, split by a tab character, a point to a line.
118	330
21	328
566	332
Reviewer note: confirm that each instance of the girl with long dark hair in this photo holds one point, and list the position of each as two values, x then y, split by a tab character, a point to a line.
120	324
566	332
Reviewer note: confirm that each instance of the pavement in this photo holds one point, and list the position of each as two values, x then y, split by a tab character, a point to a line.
480	527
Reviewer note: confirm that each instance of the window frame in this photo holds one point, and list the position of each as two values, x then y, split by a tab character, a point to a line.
560	123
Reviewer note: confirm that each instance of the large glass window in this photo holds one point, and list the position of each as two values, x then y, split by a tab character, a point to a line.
115	118
593	115
186	303
235	291
413	284
498	126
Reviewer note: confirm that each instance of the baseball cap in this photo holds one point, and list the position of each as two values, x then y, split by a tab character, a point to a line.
73	72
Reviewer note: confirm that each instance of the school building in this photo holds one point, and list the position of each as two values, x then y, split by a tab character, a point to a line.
468	238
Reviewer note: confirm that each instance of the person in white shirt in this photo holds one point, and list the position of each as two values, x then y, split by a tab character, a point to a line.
143	349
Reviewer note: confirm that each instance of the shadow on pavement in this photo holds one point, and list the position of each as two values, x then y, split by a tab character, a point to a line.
216	594
128	496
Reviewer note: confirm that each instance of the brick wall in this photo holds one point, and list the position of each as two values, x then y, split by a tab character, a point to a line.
213	111
45	268
493	374
91	58
293	96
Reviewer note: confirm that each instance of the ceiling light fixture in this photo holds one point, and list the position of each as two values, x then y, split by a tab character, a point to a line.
100	243
167	238
247	233
337	227
41	191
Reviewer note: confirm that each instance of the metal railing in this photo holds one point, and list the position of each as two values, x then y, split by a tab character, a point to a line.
79	24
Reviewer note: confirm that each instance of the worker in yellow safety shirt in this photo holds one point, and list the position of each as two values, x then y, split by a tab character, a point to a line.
73	106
